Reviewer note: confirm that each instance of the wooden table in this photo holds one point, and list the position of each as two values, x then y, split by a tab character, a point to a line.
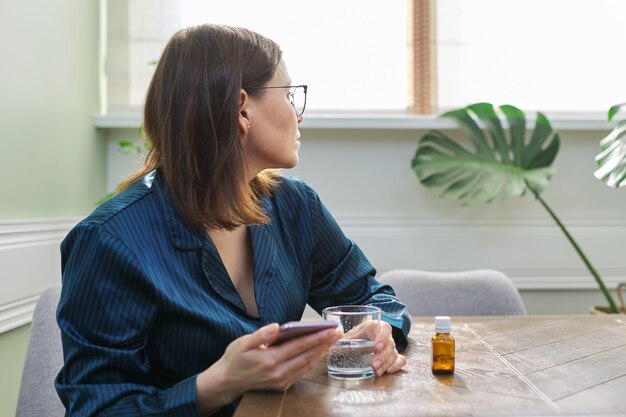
505	366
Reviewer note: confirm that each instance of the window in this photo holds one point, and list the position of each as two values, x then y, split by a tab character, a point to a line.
555	55
373	55
351	53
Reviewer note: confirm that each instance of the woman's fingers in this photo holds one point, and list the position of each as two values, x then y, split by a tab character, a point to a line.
264	336
387	358
383	336
324	339
368	329
397	364
249	363
255	365
389	362
288	370
384	358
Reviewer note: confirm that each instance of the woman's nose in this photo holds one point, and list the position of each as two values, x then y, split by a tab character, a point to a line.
300	119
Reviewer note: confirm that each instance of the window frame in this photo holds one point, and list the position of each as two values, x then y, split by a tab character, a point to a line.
421	74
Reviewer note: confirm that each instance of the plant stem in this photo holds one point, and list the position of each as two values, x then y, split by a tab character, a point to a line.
569	237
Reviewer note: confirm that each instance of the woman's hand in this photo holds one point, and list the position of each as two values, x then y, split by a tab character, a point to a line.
249	364
387	358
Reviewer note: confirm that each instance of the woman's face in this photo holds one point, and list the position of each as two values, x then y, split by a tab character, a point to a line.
271	141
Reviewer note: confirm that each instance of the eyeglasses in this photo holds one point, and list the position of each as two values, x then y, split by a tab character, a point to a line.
297	96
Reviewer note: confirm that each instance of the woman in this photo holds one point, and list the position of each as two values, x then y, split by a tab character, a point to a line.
173	289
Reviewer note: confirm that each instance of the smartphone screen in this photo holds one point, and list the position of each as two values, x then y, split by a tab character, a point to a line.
295	329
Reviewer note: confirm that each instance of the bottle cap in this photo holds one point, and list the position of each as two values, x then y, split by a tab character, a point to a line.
442	324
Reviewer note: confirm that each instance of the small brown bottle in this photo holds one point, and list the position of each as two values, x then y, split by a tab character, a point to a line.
443	347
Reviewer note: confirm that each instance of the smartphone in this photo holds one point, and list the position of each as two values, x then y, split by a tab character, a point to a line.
295	329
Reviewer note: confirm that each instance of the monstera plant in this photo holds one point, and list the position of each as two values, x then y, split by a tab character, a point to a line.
498	162
612	158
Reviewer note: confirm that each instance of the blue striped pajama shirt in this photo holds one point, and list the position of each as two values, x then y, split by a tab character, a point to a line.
147	304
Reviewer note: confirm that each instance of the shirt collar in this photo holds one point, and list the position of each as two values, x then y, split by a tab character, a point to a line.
183	236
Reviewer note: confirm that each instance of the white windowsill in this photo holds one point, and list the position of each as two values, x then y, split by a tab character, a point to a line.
384	121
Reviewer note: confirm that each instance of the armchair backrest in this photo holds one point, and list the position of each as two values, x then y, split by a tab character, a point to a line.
44	359
482	292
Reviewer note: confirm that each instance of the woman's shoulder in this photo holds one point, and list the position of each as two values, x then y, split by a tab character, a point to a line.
293	200
293	186
132	216
293	191
122	205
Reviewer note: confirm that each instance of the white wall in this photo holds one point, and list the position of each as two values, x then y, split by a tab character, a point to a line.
364	177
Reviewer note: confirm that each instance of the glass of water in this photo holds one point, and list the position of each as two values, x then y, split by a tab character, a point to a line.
351	357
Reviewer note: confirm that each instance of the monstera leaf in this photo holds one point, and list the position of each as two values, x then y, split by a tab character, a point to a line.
498	162
612	158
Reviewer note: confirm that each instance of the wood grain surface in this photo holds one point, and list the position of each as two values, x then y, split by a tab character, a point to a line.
505	366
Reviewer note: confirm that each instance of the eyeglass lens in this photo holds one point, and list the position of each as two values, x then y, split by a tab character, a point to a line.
298	99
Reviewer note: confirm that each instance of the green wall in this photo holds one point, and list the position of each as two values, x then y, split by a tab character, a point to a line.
52	160
13	349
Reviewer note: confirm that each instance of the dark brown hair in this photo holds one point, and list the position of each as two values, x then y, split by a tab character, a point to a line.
191	123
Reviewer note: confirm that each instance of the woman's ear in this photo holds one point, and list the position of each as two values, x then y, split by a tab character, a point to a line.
244	112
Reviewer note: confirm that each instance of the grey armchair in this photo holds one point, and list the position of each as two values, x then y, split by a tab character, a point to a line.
44	358
481	292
